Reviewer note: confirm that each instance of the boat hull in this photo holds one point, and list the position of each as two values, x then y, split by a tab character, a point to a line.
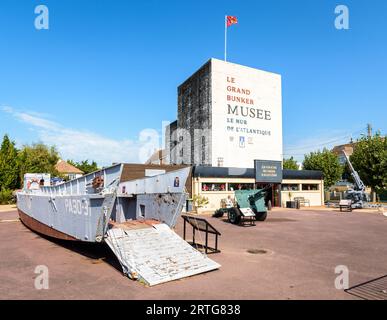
43	229
74	210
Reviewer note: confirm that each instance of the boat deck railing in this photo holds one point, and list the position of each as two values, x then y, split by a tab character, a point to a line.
84	184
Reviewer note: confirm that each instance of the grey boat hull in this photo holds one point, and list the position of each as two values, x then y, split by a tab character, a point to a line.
43	229
77	211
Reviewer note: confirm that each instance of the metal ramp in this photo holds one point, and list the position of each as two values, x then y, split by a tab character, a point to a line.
375	289
156	254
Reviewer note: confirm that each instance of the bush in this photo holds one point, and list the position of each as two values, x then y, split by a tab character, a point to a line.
199	200
6	197
383	196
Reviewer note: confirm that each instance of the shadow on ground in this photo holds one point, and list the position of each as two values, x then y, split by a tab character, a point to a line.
268	220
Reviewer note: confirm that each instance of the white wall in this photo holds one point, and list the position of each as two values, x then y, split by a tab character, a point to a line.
263	90
313	196
316	198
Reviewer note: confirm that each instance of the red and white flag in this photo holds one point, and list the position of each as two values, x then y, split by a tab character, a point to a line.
231	20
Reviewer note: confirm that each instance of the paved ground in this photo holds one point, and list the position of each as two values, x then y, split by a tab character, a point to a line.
7	207
303	248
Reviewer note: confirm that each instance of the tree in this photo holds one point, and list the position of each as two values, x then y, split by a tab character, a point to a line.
327	162
85	166
290	164
38	158
369	159
8	164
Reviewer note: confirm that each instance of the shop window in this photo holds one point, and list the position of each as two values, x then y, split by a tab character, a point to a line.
240	186
310	187
209	186
290	187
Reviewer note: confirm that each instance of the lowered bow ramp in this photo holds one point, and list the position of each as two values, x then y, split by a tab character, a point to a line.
156	254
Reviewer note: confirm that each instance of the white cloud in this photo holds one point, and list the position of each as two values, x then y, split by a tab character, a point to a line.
81	144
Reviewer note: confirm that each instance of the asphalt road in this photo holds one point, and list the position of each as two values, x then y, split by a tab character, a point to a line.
302	250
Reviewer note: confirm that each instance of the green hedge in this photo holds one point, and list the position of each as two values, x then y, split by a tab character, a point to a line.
6	196
383	196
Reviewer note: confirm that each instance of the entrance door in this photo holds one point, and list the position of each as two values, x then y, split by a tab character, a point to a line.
272	194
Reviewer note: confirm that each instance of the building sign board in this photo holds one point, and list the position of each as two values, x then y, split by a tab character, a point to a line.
33	181
268	171
246	115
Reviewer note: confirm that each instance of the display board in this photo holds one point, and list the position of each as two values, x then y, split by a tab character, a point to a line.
268	171
33	181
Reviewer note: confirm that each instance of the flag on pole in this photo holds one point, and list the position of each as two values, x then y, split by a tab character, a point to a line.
231	20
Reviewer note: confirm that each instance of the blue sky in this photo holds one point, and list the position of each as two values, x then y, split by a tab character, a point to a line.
107	70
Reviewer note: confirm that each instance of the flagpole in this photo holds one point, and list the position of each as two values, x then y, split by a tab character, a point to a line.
225	38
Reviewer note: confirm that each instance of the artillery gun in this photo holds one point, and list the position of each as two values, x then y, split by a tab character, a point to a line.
356	198
249	206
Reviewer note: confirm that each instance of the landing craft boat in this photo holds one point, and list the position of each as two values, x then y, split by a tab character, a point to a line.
133	217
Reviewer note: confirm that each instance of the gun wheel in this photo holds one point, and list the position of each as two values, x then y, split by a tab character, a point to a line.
261	216
233	216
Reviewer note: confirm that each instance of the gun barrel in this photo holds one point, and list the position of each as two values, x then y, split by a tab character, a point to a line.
359	184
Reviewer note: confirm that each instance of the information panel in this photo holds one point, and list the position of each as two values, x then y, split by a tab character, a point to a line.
268	171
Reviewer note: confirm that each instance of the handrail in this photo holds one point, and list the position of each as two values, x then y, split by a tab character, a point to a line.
196	226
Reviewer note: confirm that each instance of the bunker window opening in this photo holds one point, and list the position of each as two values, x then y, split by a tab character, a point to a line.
142	211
